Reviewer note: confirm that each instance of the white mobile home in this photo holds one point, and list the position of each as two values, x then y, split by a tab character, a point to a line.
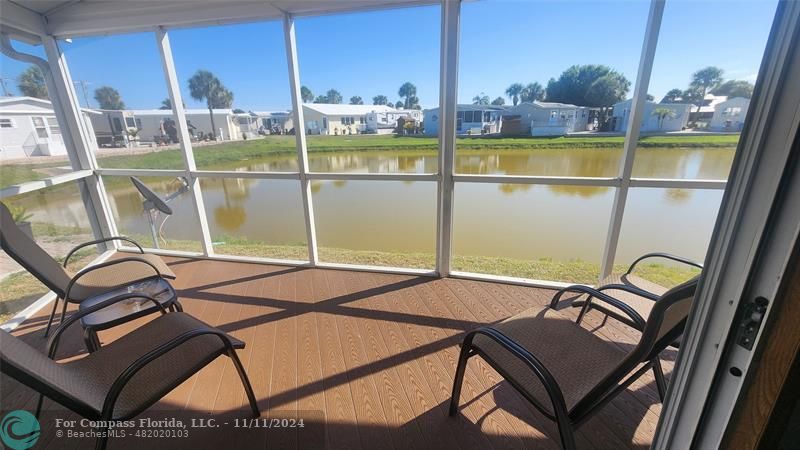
339	119
729	115
470	119
658	117
28	127
545	119
110	128
385	122
274	122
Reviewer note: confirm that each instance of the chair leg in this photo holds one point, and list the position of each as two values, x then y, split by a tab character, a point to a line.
52	316
584	309
178	306
39	406
459	378
248	388
567	435
102	438
63	312
661	383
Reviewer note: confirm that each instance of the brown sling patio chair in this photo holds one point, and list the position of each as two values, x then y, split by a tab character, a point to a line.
567	372
91	281
122	379
636	292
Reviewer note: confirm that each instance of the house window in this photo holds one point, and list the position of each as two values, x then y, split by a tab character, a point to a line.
38	124
130	122
7	123
53	124
553	114
732	111
460	115
139	124
325	123
117	125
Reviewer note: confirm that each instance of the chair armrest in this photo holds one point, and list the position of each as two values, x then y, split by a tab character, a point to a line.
538	368
594	293
676	258
104	265
99	241
52	343
122	380
632	289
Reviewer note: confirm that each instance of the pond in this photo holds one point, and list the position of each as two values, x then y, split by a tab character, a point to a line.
528	222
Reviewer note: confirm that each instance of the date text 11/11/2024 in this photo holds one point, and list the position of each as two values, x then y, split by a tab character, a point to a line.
251	423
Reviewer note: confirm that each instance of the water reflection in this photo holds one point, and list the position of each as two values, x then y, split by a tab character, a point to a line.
517	220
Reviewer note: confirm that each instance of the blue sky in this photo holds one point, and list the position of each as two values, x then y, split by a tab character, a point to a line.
368	54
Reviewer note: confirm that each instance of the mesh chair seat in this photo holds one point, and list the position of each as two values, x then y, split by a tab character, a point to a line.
578	363
88	380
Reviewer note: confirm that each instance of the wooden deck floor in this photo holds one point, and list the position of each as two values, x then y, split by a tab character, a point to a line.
376	353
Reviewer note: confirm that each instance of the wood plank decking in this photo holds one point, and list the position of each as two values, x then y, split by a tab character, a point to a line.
376	353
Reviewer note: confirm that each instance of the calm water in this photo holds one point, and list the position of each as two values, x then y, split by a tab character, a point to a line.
520	221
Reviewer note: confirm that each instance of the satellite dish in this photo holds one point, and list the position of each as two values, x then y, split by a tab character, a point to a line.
152	200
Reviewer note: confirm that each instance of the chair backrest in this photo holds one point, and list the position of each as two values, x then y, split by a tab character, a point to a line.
29	255
665	323
35	370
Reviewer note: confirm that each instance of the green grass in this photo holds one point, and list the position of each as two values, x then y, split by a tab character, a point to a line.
229	154
572	271
20	289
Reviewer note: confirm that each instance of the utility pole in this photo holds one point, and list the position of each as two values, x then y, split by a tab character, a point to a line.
4	87
83	84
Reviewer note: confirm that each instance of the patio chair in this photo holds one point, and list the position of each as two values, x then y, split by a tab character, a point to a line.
567	372
124	378
636	292
91	281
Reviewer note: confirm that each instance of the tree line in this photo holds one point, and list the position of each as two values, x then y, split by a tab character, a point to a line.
407	94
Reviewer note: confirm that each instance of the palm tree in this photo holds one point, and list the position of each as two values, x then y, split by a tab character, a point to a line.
480	99
333	96
513	92
672	96
662	113
321	99
204	85
532	92
108	98
356	100
399	104
409	91
306	94
380	100
167	104
705	79
499	101
31	83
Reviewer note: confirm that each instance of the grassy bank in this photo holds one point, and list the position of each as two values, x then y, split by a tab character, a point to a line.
222	156
20	289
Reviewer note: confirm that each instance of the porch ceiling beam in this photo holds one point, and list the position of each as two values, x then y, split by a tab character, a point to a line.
21	23
100	18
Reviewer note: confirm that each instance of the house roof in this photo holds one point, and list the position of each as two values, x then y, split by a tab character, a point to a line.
7	102
163	112
329	109
654	103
